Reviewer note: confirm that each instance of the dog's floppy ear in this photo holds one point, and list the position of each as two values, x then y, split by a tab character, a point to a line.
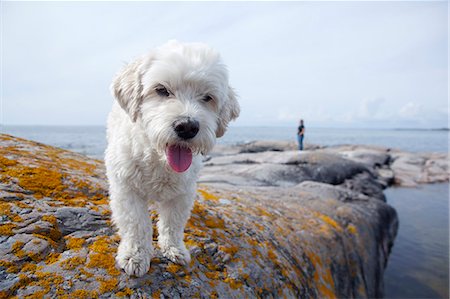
229	111
127	88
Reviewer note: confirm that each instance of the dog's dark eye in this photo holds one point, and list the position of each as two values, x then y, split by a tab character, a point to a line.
162	91
207	98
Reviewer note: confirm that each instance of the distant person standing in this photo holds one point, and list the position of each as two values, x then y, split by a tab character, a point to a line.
300	135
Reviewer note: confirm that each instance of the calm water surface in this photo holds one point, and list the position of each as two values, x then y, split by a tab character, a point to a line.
419	263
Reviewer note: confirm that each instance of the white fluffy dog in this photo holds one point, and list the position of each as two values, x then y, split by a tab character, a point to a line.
171	105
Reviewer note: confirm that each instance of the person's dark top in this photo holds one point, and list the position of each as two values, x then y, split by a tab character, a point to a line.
300	128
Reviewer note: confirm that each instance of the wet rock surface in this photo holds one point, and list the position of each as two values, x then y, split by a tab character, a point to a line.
267	224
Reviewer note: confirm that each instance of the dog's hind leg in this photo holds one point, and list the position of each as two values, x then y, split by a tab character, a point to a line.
173	215
130	215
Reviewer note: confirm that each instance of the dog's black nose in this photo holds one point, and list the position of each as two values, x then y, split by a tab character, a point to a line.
186	128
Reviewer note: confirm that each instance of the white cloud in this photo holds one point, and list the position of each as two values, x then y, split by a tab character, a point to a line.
410	110
370	108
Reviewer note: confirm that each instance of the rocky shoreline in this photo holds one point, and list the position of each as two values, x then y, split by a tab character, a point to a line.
268	222
284	165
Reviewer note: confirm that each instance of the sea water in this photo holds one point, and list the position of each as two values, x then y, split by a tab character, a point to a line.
419	263
418	266
91	140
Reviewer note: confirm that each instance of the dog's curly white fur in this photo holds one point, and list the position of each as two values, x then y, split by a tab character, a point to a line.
175	82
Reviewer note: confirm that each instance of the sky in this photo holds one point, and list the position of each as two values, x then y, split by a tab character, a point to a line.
334	64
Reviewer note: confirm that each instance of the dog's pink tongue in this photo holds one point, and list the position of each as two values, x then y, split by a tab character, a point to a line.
180	158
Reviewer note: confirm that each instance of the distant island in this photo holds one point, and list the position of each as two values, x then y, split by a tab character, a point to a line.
421	129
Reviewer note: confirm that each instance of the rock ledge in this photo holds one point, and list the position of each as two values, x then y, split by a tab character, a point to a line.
319	236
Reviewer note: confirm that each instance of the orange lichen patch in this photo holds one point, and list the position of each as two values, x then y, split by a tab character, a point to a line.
51	219
173	268
85	167
205	261
85	273
125	292
207	196
5	162
233	283
80	185
215	223
326	286
95	208
330	222
16	218
272	256
107	285
264	212
99	199
106	212
81	294
52	258
102	245
212	284
23	281
199	210
40	180
322	276
352	229
74	243
103	256
231	250
29	267
17	249
48	281
48	239
255	252
203	217
72	262
37	295
51	172
259	226
7	229
213	275
105	261
10	266
156	294
5	208
188	278
315	259
23	205
252	242
55	234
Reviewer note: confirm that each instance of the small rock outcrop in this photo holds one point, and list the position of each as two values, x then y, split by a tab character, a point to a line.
265	224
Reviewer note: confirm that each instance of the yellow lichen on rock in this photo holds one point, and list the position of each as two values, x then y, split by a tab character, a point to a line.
126	292
102	256
207	195
73	262
107	285
74	243
7	229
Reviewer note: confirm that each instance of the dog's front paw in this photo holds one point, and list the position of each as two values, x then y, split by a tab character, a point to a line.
134	260
179	255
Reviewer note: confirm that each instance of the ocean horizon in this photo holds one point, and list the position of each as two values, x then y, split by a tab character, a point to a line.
91	140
